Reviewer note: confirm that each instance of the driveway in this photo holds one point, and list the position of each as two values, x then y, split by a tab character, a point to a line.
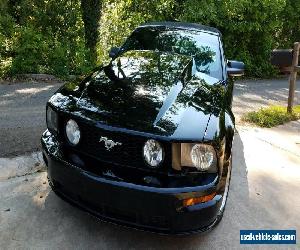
263	193
22	116
252	95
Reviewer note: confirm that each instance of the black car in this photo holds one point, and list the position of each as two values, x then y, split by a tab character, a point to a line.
146	140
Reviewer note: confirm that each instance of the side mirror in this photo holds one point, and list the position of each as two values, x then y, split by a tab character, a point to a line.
235	68
114	51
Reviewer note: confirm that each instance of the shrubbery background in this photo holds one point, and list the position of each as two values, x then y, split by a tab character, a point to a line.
47	36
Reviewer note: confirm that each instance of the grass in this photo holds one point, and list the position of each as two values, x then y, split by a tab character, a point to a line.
272	116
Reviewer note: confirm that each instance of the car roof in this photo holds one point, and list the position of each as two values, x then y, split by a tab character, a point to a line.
184	25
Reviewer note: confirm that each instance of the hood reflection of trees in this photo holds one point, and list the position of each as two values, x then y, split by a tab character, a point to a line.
140	81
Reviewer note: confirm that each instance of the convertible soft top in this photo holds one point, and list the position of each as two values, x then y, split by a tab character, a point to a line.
184	25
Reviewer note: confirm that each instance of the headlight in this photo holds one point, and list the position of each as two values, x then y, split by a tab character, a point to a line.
51	118
201	156
73	132
153	153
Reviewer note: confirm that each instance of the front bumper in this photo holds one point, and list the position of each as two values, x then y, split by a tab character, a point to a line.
142	207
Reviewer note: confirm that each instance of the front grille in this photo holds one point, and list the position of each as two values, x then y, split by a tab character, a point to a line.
130	153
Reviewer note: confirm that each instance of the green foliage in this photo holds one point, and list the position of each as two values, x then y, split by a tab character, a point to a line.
290	20
30	52
7	27
45	37
272	116
59	36
249	28
119	18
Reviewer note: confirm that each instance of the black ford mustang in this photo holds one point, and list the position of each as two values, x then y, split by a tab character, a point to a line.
146	140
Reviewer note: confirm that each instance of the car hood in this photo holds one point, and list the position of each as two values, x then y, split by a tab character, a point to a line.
152	92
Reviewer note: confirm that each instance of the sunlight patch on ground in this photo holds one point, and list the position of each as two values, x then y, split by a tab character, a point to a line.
272	173
21	165
40	198
33	90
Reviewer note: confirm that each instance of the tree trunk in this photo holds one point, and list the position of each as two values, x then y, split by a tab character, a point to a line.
293	77
91	13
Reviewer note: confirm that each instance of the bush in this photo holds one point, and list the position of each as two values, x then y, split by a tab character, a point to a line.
30	50
48	37
272	116
7	27
290	21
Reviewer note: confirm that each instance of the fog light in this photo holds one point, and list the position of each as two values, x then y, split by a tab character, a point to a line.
153	153
72	132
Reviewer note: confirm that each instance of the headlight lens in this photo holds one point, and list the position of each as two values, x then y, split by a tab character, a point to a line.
73	132
153	153
51	118
201	156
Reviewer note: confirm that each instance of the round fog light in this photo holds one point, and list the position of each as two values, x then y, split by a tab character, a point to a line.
72	132
153	153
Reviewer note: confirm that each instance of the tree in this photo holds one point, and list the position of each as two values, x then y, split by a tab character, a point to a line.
91	13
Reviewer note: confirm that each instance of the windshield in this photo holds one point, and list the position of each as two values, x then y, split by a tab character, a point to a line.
203	47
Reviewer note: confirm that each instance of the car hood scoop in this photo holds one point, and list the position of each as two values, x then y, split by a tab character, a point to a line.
148	91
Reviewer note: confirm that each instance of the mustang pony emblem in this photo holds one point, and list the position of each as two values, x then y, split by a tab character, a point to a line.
109	144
